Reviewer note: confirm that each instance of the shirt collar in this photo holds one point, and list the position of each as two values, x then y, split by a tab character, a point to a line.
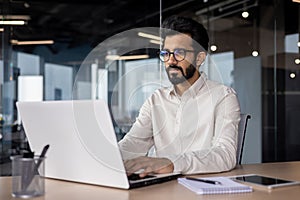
194	89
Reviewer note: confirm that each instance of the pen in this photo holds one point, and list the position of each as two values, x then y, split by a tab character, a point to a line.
36	167
204	181
44	151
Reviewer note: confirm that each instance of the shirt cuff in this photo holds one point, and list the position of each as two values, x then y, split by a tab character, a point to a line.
178	162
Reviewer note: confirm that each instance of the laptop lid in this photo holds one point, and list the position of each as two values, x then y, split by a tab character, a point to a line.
81	148
83	144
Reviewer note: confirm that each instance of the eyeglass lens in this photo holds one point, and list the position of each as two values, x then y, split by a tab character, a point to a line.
179	55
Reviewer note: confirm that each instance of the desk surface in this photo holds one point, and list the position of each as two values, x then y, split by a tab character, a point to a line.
61	190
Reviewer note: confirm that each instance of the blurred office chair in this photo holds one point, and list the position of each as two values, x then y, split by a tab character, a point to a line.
241	137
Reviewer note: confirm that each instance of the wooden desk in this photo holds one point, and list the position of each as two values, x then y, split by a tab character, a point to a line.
62	190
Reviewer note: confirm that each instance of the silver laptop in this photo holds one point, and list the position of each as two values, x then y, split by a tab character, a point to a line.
83	144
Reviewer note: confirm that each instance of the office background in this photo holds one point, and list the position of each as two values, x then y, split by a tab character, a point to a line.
254	48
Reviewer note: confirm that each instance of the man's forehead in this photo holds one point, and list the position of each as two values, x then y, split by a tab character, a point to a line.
182	39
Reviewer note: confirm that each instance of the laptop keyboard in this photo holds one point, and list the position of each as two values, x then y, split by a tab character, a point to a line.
134	177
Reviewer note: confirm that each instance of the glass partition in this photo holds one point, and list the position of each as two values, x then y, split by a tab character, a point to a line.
254	48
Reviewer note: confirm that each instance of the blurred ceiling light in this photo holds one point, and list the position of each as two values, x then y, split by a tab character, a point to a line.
26	5
254	53
147	35
131	57
12	22
108	20
245	14
34	42
112	57
297	1
1	29
155	41
292	75
297	61
298	44
15	17
213	48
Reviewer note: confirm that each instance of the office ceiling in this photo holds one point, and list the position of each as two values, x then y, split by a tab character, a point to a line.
86	21
79	22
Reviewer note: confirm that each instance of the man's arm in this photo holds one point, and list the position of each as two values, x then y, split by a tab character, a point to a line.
139	139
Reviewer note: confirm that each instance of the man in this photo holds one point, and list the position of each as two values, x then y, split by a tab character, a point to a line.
192	125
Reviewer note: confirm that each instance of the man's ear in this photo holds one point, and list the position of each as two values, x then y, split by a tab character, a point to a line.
200	58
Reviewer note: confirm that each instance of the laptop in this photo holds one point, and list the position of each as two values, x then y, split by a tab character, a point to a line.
83	143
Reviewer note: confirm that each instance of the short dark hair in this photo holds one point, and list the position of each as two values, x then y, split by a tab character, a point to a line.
187	26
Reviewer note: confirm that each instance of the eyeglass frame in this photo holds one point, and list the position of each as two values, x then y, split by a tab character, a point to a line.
173	52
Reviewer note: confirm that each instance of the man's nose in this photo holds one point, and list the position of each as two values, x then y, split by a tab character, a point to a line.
172	60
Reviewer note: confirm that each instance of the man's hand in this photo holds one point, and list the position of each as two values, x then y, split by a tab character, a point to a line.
149	165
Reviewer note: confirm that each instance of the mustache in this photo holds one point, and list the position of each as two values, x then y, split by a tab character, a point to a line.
175	67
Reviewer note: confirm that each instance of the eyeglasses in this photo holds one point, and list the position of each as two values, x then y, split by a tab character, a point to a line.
179	54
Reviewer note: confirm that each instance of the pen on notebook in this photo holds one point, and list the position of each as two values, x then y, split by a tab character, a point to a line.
204	181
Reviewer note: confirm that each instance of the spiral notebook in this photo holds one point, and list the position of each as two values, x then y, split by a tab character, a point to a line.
214	185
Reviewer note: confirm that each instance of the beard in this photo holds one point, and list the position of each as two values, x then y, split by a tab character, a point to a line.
176	78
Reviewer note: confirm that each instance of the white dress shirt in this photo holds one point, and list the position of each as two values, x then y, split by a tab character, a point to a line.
196	131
